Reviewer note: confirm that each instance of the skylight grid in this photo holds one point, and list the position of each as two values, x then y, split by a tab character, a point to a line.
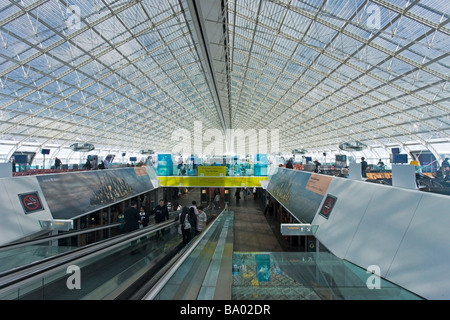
317	63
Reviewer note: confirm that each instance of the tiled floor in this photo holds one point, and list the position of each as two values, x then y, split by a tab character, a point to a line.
252	232
254	236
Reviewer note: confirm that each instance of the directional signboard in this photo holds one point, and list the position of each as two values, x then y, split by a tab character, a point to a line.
298	229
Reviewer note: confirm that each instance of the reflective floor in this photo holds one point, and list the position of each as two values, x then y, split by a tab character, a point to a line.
307	276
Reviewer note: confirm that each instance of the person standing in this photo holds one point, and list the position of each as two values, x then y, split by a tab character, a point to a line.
144	217
267	205
201	220
216	201
289	164
185	229
317	163
131	218
87	165
445	164
57	163
193	223
237	194
363	167
194	205
317	169
161	214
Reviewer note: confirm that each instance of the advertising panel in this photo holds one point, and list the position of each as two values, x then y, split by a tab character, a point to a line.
299	192
75	194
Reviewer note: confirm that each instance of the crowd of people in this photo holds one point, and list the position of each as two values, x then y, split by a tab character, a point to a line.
441	175
192	220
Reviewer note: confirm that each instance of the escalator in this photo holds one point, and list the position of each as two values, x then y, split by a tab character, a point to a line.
108	269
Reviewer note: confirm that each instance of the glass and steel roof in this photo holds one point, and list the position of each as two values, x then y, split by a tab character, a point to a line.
126	75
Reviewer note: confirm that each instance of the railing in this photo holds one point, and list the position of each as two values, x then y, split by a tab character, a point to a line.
19	254
104	270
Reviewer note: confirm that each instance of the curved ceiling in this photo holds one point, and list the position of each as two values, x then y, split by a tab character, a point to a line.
135	75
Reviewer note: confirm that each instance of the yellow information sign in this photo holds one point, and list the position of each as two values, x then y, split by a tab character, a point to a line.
192	181
212	171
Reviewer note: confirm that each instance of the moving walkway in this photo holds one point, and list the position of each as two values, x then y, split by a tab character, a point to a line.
108	269
152	264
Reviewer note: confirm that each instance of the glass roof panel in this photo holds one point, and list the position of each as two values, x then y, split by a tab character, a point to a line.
81	71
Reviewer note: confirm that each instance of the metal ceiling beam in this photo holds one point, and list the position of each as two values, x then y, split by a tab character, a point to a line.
196	10
363	72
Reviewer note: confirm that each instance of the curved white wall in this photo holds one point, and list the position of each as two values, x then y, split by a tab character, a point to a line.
404	232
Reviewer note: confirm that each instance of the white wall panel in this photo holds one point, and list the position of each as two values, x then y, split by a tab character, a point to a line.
423	258
355	171
382	226
337	232
10	226
6	170
16	223
404	176
404	232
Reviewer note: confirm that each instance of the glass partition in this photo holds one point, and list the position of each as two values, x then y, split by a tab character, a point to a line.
104	272
25	253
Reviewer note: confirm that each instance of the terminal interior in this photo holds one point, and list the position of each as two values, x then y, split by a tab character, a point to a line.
314	134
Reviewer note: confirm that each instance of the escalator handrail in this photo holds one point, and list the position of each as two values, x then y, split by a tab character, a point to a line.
69	234
39	268
164	278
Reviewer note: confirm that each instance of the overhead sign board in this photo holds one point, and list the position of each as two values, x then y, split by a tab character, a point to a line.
212	171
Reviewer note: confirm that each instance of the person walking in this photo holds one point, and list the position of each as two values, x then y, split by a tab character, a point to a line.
185	225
